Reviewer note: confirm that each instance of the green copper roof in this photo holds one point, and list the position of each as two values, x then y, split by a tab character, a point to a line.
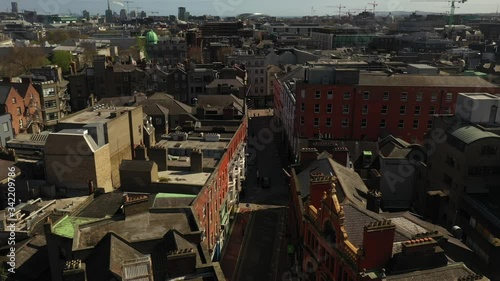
174	195
151	37
65	227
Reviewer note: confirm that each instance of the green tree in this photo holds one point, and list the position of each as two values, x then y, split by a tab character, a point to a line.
62	59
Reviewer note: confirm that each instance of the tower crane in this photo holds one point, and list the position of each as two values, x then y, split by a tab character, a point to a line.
374	4
128	10
452	10
340	7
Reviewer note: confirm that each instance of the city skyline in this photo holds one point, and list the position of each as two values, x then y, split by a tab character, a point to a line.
226	8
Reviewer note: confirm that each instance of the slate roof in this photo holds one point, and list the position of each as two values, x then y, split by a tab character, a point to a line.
237	82
31	257
4	93
357	218
469	134
109	255
352	188
219	101
174	107
154	109
392	147
419	80
21	88
106	204
449	272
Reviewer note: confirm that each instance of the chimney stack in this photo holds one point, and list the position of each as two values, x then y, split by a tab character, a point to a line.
307	156
196	161
374	200
378	239
74	270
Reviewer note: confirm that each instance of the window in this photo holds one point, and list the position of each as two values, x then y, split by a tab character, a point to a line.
402	110
14	100
345	109
366	95
329	108
432	110
383	123
415	124
345	123
301	120
317	95
303	94
261	79
449	96
52	116
302	107
363	123
419	96
316	108
404	96
158	121
18	111
329	95
204	211
365	109
347	95
417	110
384	109
316	121
401	124
434	97
5	126
21	123
488	150
386	96
328	122
50	104
429	124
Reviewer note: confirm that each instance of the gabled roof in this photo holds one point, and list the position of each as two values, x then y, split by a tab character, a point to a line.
392	147
237	82
219	101
174	107
154	109
109	255
106	204
350	188
174	241
4	93
21	88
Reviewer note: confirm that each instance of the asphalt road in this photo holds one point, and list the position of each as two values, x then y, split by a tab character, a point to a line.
262	245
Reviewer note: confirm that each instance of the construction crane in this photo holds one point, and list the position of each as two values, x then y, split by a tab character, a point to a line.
374	4
312	11
128	10
340	7
452	10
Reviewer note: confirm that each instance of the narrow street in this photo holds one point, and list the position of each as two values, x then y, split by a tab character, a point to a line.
261	256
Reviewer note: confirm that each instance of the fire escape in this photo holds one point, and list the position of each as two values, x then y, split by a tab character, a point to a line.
32	113
64	106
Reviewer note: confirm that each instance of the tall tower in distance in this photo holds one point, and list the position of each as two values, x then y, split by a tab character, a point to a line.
15	9
109	14
182	14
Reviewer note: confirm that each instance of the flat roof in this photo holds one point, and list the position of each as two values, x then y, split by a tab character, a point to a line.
194	143
140	227
66	226
422	66
184	177
102	115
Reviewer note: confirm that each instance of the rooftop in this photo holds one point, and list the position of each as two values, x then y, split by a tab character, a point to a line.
194	142
469	134
140	227
168	200
101	115
480	96
67	225
374	79
450	272
184	177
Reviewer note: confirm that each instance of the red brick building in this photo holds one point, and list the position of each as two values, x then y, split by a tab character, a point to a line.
216	201
347	104
338	236
26	111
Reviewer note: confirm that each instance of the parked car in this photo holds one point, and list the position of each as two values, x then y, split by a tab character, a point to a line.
266	182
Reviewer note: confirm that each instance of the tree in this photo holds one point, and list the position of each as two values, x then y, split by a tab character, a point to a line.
62	59
21	60
223	52
195	54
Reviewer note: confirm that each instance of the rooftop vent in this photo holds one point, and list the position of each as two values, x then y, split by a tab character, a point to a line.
212	137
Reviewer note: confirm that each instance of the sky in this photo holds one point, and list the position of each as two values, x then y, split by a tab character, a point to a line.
225	8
